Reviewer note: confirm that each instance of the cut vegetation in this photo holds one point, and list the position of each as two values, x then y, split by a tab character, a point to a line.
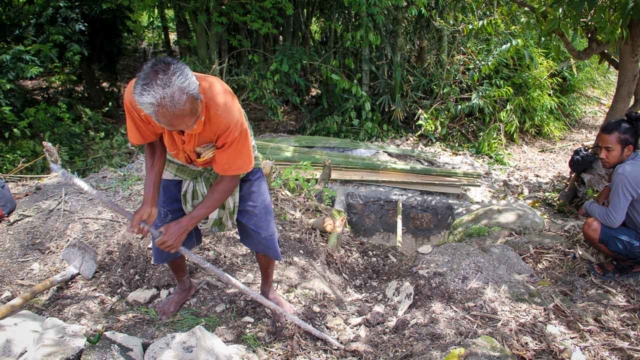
362	169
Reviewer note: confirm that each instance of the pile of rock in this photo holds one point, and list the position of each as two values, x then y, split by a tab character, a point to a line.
27	336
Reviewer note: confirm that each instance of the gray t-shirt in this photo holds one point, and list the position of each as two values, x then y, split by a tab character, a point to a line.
624	200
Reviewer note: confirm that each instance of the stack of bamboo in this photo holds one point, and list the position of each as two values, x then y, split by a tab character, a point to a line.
286	151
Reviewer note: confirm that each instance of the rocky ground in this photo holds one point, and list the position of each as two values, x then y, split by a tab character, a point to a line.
514	284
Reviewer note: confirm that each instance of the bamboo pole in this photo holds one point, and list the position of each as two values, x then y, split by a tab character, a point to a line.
399	225
284	153
343	174
322	141
324	224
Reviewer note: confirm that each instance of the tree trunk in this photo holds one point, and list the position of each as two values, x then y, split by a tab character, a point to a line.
182	29
297	23
202	40
165	28
91	82
224	45
397	55
422	52
332	32
287	28
636	97
444	47
627	74
308	21
213	47
366	66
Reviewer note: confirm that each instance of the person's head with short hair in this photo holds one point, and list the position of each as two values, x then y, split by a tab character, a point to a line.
618	139
168	91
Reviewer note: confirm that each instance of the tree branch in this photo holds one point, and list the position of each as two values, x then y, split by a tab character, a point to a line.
594	47
606	56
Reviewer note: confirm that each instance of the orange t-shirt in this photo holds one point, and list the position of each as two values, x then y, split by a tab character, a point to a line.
223	124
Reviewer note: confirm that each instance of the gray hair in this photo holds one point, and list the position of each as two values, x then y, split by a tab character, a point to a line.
167	83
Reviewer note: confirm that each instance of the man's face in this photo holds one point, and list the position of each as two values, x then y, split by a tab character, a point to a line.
181	120
610	151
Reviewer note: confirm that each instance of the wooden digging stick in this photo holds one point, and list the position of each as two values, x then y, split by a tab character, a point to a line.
54	163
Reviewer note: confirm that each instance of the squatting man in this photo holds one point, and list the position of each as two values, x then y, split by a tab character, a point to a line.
201	171
613	227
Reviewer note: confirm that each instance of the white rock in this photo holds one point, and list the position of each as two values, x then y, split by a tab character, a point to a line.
164	293
363	332
425	249
132	343
360	348
315	308
553	330
35	267
57	341
356	321
391	322
376	316
18	332
6	296
195	345
402	297
220	308
247	319
334	322
142	296
114	345
577	354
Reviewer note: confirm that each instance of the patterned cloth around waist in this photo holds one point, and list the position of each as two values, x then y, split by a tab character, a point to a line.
196	183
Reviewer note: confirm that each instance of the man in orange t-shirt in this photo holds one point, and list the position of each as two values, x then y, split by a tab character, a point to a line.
194	122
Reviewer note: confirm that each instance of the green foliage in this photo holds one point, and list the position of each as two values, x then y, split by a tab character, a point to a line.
251	340
184	320
476	231
474	74
41	99
295	180
488	76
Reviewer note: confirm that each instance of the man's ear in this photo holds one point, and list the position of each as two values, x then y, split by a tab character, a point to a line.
628	150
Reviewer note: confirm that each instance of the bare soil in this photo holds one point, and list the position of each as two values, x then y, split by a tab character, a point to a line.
599	318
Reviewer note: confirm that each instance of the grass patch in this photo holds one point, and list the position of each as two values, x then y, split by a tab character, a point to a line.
184	320
251	340
148	312
476	231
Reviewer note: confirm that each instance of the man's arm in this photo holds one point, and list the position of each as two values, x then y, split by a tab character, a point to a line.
603	196
155	155
619	200
174	233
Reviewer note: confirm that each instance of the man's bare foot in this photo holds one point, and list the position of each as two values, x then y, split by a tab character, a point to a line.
276	299
169	306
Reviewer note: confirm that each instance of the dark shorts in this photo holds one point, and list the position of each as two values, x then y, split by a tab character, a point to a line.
256	223
622	240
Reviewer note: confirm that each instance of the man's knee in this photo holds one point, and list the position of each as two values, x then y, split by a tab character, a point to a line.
591	229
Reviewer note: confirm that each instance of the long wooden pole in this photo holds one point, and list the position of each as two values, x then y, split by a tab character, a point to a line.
53	158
